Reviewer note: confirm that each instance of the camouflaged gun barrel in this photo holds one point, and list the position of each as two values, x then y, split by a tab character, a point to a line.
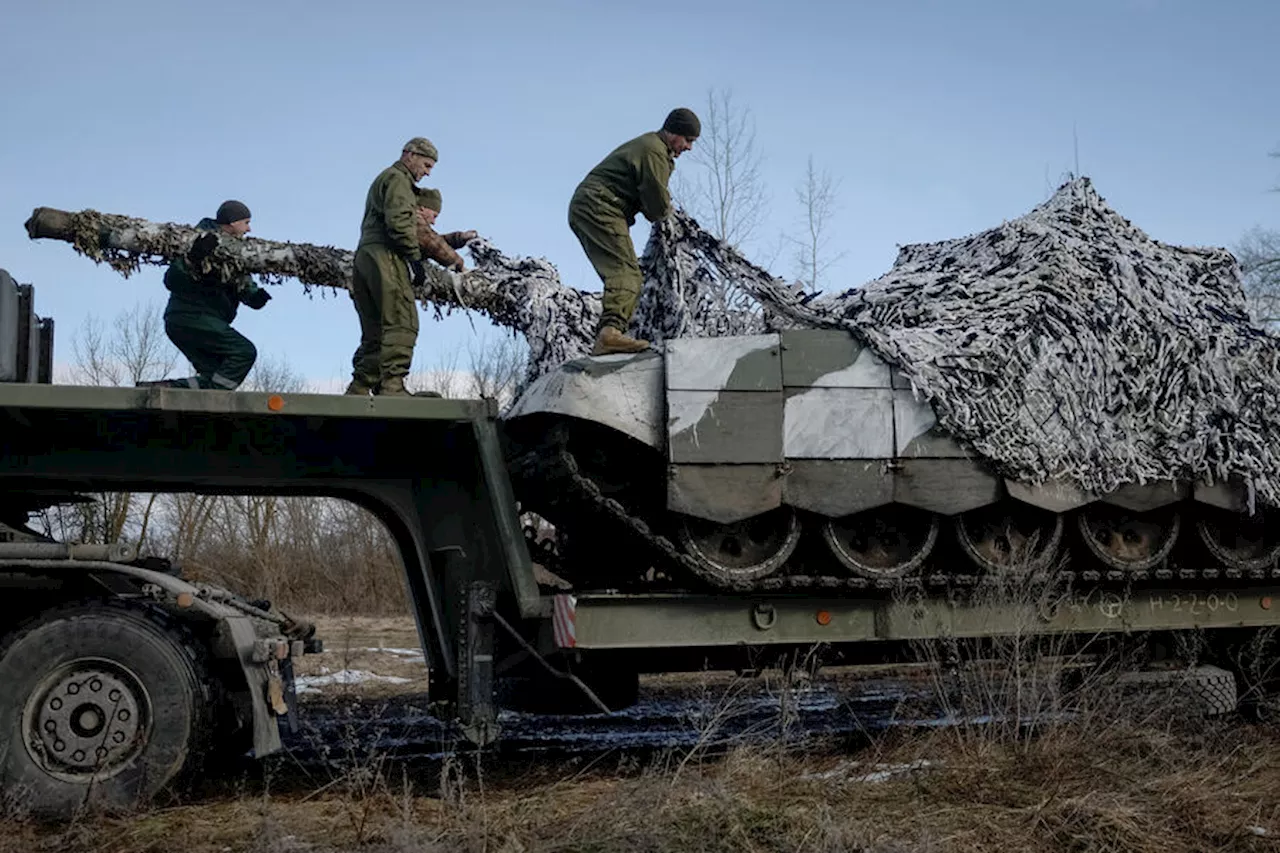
522	294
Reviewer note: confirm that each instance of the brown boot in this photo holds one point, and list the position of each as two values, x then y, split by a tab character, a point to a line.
611	341
358	389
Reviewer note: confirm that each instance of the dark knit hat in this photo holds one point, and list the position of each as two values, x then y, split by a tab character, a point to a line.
232	211
430	198
682	122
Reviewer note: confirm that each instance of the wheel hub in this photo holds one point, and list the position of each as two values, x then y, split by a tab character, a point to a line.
88	718
1010	537
742	550
1132	541
1240	540
887	542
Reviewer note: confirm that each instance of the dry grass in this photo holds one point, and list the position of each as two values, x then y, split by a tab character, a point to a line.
1071	790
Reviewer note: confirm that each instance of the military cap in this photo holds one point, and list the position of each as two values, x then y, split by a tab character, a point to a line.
231	211
422	145
682	122
430	198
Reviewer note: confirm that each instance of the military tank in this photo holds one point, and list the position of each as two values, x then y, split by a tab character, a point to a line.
1110	410
801	459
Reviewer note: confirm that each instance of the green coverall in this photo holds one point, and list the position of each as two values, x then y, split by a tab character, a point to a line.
380	285
632	179
198	320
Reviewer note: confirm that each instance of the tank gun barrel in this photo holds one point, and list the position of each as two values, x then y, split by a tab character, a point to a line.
522	294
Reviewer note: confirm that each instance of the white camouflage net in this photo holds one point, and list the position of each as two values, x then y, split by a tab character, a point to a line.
1065	344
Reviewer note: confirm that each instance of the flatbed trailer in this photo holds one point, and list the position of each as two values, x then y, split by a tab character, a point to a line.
434	472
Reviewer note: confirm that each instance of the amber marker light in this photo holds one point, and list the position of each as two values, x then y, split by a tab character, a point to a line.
1266	602
823	617
275	402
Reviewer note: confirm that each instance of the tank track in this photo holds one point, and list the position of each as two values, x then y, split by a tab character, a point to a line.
554	464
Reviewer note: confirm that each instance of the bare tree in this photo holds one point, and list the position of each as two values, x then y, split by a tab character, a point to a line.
816	195
273	374
725	192
137	347
497	367
1259	256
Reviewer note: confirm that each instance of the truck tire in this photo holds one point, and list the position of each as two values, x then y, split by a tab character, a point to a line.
103	706
1205	690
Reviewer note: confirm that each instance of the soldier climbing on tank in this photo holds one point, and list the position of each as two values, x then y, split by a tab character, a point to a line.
388	265
203	304
632	179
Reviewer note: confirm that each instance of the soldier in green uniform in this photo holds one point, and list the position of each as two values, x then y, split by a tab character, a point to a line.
441	248
632	179
381	284
203	305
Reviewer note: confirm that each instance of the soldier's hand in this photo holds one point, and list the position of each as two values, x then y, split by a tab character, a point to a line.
202	247
419	270
469	235
257	298
458	265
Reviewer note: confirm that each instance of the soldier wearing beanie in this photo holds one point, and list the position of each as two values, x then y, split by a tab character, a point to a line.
632	179
439	247
202	306
388	265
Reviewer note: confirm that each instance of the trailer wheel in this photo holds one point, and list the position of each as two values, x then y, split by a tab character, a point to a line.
103	706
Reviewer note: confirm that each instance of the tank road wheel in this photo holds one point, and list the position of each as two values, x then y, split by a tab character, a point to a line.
886	542
1010	537
744	550
102	707
1128	540
1239	540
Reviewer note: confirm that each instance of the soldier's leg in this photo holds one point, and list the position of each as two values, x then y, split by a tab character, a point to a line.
399	322
238	357
187	332
608	245
366	295
221	356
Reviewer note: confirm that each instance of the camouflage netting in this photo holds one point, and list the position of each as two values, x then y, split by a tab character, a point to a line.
1065	344
521	294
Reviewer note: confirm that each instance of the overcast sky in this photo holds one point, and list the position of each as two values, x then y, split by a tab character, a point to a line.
938	119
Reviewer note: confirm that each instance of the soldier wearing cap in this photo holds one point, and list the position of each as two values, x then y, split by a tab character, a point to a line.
440	248
382	284
632	179
203	304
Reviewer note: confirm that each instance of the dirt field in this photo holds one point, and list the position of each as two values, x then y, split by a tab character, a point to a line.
1104	783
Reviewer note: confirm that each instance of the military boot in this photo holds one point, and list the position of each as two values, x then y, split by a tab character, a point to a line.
358	389
393	386
611	341
168	383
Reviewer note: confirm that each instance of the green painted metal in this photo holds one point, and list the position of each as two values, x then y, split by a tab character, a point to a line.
71	398
615	622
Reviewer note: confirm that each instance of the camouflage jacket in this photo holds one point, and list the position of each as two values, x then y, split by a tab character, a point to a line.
192	293
632	179
389	218
440	247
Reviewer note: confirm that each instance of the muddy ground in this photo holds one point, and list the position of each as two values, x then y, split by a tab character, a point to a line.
851	760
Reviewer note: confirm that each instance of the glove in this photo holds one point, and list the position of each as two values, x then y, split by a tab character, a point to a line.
256	298
203	247
419	270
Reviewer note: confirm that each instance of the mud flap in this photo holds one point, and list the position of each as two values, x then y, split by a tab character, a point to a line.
477	710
